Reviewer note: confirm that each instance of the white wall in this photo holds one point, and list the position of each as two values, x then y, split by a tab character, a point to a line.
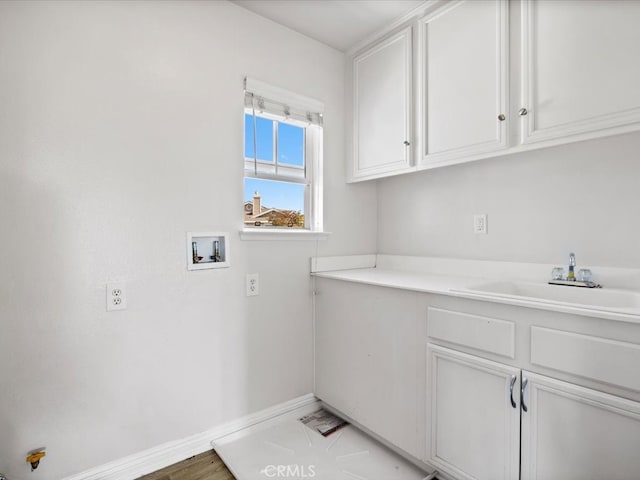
543	204
121	130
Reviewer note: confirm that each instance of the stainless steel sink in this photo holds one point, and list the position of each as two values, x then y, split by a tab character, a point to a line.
602	299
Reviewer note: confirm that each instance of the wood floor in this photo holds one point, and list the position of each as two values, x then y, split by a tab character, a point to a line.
206	466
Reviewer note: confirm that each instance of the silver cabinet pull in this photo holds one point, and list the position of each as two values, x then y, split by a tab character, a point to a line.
407	143
525	381
502	117
513	382
523	112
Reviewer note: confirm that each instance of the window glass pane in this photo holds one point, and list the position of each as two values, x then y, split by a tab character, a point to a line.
248	135
269	203
290	144
264	128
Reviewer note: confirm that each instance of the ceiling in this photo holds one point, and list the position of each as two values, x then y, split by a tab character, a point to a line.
340	24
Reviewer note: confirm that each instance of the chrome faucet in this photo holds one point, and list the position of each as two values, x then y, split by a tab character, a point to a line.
571	276
583	280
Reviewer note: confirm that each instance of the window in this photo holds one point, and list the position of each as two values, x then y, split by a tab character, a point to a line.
282	160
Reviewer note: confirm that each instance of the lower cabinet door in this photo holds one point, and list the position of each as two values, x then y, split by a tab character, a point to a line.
474	420
575	433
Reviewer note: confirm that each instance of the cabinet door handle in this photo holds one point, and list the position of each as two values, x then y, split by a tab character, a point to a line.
407	143
525	381
502	117
523	112
513	382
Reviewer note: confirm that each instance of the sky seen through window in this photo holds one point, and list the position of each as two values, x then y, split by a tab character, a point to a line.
290	142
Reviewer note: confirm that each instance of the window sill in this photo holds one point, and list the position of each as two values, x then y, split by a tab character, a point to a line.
278	234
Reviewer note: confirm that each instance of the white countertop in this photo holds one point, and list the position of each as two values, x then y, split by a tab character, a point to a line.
432	276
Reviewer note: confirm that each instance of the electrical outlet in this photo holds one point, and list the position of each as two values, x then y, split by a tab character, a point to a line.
480	223
116	296
253	284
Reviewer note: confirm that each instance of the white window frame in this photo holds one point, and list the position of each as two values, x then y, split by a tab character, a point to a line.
310	174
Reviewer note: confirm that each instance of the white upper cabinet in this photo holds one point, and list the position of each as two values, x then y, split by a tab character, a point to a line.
573	75
580	69
464	90
382	111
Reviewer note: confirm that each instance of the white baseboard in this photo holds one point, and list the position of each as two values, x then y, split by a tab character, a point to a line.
156	458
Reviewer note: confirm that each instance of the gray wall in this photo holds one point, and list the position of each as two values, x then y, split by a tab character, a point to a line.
121	130
543	204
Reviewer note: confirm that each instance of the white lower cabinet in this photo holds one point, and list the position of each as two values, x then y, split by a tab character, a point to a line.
426	388
575	433
366	358
482	429
474	416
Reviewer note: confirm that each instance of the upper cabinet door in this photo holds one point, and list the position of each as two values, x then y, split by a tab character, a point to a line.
580	69
464	86
382	93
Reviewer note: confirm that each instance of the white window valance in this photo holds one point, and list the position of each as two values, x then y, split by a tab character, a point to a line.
261	97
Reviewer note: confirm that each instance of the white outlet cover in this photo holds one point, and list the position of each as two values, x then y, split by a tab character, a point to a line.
253	284
480	224
116	296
